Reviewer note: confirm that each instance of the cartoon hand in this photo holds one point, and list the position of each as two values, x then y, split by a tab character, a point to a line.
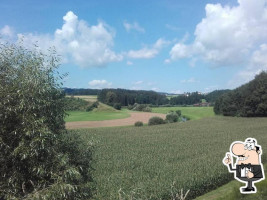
250	174
228	159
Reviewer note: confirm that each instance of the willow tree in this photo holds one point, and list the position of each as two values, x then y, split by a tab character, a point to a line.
36	153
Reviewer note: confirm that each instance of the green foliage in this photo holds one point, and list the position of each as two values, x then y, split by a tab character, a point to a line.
33	164
193	113
187	99
92	107
214	95
72	104
147	109
155	121
138	123
172	117
81	91
179	113
117	106
130	97
148	160
249	100
141	107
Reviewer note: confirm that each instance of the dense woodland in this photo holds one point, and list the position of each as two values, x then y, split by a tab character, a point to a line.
130	97
249	100
81	91
126	97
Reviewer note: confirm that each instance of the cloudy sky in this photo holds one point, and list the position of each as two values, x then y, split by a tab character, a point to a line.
162	45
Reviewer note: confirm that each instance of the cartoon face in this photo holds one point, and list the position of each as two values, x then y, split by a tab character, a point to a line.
247	152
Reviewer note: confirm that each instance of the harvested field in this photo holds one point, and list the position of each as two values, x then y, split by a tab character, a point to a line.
134	116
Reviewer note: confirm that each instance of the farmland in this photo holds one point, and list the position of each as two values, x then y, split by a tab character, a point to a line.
145	161
192	112
75	116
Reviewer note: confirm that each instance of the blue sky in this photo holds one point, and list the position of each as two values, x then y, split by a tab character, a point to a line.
169	46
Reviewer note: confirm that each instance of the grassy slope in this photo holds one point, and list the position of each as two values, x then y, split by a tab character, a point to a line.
75	116
230	191
151	158
192	112
103	112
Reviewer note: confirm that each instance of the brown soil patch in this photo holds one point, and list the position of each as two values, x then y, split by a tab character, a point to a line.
135	116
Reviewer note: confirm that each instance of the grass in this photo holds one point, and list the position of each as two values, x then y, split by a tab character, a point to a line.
143	162
230	191
90	98
192	112
99	115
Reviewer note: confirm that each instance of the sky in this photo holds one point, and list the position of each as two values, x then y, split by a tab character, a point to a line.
172	46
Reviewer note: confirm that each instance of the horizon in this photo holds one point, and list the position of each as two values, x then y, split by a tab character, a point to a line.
154	45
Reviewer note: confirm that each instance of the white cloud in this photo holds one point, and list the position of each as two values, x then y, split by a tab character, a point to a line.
134	26
7	31
129	63
138	82
190	80
148	52
99	84
77	42
176	92
229	36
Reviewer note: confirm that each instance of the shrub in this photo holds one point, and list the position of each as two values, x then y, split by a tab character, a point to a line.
117	106
92	107
72	103
179	113
171	117
139	107
147	109
138	123
34	164
155	120
130	107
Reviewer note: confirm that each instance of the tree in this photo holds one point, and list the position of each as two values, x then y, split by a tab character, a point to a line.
35	158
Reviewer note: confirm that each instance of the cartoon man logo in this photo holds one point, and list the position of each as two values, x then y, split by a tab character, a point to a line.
248	167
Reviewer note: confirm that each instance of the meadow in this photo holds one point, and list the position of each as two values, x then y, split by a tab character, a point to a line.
75	116
151	162
191	112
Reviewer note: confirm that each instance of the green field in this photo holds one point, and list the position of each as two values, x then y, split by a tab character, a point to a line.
192	112
143	162
74	116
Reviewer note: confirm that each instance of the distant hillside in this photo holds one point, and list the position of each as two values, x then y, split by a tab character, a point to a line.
213	96
129	97
248	100
81	91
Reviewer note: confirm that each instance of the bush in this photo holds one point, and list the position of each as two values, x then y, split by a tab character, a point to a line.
72	103
92	107
155	120
179	113
117	106
130	107
171	117
34	164
147	109
141	107
138	123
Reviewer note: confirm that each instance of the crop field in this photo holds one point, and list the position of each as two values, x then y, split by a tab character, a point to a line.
75	116
151	162
192	112
90	98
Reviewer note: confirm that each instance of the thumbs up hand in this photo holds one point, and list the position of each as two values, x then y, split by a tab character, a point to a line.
228	159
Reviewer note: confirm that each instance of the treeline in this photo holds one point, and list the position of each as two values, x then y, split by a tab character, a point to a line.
214	95
81	91
249	100
187	99
126	97
130	97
